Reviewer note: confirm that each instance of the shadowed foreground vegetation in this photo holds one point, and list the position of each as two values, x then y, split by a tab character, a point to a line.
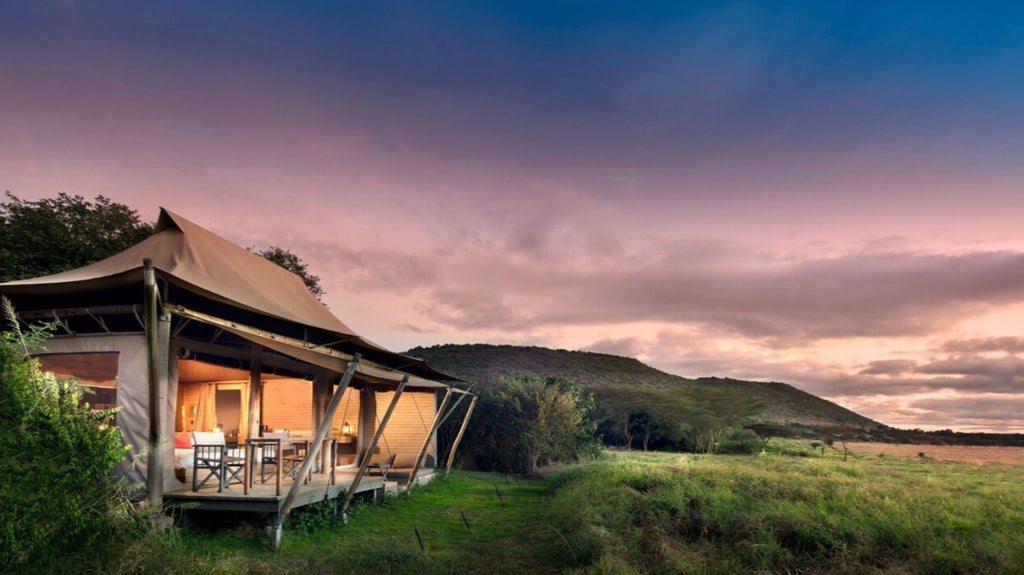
645	513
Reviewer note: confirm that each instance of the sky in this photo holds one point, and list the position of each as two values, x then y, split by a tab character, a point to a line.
827	194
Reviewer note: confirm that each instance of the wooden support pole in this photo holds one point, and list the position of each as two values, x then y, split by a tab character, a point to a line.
430	436
321	397
458	438
154	460
250	467
365	463
255	391
314	449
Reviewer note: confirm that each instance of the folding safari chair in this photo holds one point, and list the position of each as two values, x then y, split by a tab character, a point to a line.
382	466
275	454
213	460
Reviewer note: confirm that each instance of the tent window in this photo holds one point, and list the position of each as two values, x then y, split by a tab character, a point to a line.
96	371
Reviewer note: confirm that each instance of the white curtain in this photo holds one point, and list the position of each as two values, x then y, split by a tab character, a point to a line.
206	408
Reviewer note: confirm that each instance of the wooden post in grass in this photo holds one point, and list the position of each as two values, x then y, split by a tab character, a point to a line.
458	438
313	451
426	441
371	447
157	329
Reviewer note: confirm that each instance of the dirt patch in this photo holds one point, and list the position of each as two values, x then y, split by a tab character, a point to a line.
966	453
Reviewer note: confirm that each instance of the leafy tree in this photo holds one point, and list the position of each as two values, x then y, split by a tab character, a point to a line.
841	433
56	454
617	412
673	417
525	422
739	440
556	422
654	415
664	418
294	264
767	430
715	411
52	235
646	426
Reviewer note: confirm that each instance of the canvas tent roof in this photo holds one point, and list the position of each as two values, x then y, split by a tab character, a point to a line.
200	263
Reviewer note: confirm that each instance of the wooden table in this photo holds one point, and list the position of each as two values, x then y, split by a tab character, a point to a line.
262	449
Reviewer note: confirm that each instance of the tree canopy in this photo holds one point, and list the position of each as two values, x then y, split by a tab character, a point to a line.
521	423
52	235
671	417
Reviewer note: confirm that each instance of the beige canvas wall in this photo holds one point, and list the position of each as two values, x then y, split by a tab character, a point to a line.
409	425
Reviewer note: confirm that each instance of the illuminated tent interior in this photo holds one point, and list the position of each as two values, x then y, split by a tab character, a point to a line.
238	343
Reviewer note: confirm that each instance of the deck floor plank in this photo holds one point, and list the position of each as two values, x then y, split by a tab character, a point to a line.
262	497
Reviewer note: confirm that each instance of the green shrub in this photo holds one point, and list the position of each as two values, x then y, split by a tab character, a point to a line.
739	441
522	423
55	458
319	515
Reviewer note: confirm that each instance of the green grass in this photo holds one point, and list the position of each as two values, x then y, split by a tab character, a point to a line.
467	523
771	514
653	513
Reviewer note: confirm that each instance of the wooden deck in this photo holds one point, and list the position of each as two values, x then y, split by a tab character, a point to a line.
262	496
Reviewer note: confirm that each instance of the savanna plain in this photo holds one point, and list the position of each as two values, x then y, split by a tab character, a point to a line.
790	509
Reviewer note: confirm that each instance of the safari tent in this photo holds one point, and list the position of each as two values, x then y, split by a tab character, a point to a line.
186	332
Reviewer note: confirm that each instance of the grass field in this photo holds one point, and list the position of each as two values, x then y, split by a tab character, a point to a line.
646	513
771	514
980	454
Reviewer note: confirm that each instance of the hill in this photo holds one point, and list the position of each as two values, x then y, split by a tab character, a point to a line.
481	363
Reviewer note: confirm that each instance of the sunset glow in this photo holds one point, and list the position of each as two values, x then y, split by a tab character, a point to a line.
826	194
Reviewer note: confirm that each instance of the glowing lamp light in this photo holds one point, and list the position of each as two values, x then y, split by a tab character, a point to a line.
346	429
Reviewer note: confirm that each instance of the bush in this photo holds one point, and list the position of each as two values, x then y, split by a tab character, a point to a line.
525	422
55	458
741	440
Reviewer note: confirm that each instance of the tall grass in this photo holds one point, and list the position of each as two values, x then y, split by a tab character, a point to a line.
774	514
646	514
467	523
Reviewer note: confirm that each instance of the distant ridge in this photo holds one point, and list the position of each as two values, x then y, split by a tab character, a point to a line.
481	363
